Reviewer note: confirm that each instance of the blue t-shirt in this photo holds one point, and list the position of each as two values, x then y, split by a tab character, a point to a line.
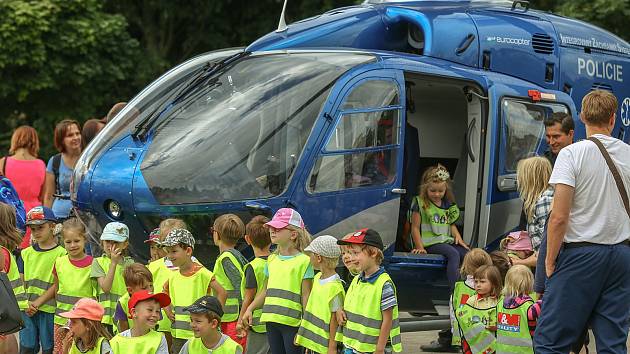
62	207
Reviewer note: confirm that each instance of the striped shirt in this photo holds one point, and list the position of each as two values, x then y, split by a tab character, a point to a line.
542	209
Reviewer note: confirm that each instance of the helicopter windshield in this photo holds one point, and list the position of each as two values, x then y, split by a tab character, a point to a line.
240	133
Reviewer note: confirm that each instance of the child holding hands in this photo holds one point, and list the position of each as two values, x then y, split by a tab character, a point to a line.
318	330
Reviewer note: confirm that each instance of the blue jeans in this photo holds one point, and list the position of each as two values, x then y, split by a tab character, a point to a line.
590	285
454	255
281	338
37	330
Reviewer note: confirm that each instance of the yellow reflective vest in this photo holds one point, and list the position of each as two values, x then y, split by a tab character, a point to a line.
38	274
363	310
95	350
74	283
184	290
146	344
283	303
229	346
461	293
16	282
161	274
314	331
110	299
258	266
473	324
234	300
513	330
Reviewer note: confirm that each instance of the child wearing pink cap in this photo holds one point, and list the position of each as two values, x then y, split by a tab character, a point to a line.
289	280
86	332
517	245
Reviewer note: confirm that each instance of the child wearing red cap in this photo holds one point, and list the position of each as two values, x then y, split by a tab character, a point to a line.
144	308
86	332
289	281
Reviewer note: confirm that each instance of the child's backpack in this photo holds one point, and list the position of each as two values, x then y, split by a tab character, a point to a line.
8	195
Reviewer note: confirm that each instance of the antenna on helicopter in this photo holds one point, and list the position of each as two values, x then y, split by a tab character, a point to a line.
282	25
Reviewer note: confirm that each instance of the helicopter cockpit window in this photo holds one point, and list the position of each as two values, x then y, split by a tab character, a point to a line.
372	94
240	133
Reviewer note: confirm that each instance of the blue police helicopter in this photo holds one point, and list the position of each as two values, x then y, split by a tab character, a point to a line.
337	115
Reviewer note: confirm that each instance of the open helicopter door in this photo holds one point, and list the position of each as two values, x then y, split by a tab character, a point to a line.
517	131
354	174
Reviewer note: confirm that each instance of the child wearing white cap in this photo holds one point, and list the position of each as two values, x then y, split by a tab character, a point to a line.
327	296
108	268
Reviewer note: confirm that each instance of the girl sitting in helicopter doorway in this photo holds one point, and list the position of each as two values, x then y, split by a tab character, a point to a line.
433	217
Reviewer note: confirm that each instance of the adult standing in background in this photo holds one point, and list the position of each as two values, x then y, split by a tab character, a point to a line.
90	129
559	131
588	253
60	167
25	170
116	108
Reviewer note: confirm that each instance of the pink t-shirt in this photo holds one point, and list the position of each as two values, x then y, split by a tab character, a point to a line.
28	178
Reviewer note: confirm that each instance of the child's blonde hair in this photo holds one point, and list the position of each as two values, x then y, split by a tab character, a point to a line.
532	177
137	274
230	228
493	275
519	280
169	224
473	260
302	239
257	232
10	237
435	174
72	224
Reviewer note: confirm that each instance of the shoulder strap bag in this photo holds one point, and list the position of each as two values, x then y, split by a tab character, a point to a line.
615	173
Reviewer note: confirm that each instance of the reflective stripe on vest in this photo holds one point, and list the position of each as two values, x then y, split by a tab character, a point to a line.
234	299
38	275
461	293
146	344
283	303
16	282
229	346
258	266
74	284
435	223
161	274
110	299
184	290
95	350
513	330
314	331
364	322
472	322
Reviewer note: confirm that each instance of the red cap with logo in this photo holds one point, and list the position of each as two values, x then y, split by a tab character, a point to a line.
363	237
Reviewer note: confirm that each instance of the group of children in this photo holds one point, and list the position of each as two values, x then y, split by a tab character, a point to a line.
74	303
495	307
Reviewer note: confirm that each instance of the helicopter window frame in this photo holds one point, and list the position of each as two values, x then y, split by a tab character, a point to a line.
507	165
357	159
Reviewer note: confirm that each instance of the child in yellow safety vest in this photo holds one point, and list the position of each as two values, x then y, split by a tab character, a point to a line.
478	318
465	288
370	308
144	308
289	281
36	264
205	319
257	236
137	277
189	283
228	270
319	331
87	335
108	269
72	274
10	239
517	312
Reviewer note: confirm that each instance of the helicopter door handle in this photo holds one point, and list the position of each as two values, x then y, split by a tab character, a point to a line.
399	191
257	206
471	153
465	44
